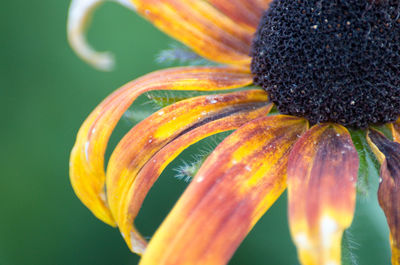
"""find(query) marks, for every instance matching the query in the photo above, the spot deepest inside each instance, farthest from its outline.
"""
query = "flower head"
(328, 67)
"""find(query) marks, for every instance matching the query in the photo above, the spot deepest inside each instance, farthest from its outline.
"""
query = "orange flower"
(331, 65)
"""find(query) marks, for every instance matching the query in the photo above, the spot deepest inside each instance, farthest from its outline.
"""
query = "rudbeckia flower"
(327, 67)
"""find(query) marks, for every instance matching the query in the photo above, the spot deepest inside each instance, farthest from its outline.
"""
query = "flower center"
(331, 60)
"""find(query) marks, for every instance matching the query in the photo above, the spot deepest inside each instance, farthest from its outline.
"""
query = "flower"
(326, 65)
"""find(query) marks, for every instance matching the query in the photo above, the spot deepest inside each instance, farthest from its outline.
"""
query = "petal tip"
(78, 16)
(138, 244)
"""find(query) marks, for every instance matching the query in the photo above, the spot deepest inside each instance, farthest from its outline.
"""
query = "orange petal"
(78, 17)
(258, 6)
(395, 127)
(235, 186)
(152, 134)
(240, 11)
(208, 31)
(322, 175)
(389, 187)
(248, 10)
(202, 27)
(154, 167)
(87, 157)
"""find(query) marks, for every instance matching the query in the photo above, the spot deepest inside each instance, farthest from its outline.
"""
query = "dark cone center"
(331, 60)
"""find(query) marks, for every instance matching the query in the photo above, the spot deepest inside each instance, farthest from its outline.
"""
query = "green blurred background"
(45, 94)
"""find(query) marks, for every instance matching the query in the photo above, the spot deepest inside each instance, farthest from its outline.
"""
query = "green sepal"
(135, 116)
(178, 54)
(162, 99)
(385, 130)
(369, 166)
(188, 170)
(348, 246)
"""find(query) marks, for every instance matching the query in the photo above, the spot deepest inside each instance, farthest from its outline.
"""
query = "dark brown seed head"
(331, 60)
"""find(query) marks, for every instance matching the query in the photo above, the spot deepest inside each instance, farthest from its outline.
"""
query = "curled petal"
(201, 27)
(389, 187)
(87, 157)
(78, 18)
(148, 137)
(235, 186)
(322, 175)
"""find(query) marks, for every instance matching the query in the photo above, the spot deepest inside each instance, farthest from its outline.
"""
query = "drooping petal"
(211, 32)
(154, 167)
(148, 137)
(235, 186)
(87, 157)
(201, 27)
(388, 153)
(322, 175)
(78, 17)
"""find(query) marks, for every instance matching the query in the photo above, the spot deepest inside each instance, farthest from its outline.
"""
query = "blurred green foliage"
(45, 94)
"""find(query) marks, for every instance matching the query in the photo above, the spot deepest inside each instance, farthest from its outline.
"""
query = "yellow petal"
(235, 186)
(148, 137)
(322, 175)
(389, 187)
(156, 164)
(87, 157)
(78, 17)
(201, 27)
